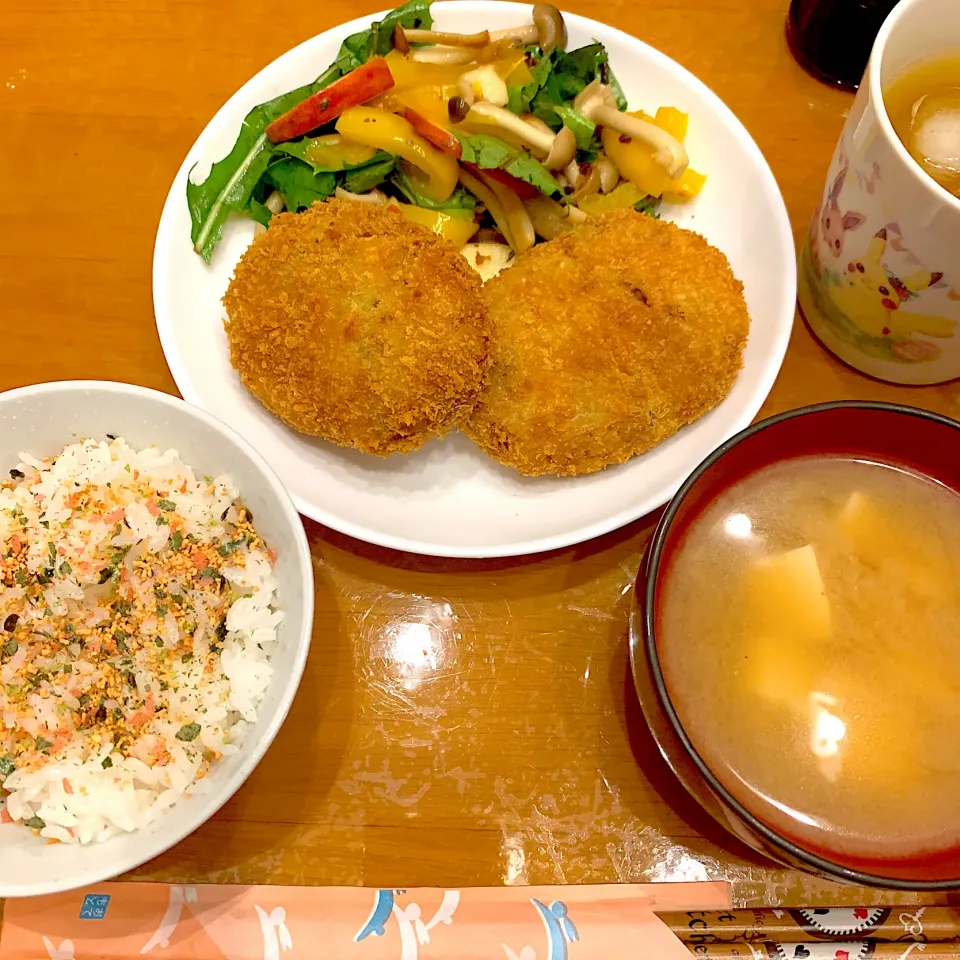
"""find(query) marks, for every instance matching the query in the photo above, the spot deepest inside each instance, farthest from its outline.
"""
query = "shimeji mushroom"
(609, 175)
(550, 218)
(403, 37)
(598, 104)
(588, 183)
(556, 149)
(488, 258)
(548, 30)
(375, 197)
(448, 48)
(485, 84)
(443, 54)
(275, 202)
(504, 206)
(551, 30)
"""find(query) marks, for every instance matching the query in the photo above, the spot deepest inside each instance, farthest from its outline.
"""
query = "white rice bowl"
(137, 809)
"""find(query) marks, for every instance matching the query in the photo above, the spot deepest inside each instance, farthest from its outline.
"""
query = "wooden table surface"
(459, 722)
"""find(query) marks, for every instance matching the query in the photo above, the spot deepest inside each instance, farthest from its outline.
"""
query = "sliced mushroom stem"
(488, 258)
(447, 39)
(487, 115)
(536, 123)
(485, 84)
(505, 207)
(375, 197)
(609, 175)
(526, 34)
(572, 173)
(551, 30)
(670, 152)
(597, 103)
(451, 55)
(499, 50)
(549, 219)
(274, 203)
(490, 200)
(575, 215)
(400, 40)
(518, 220)
(563, 151)
(490, 235)
(588, 185)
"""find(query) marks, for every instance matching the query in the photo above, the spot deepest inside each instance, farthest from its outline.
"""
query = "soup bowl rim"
(646, 638)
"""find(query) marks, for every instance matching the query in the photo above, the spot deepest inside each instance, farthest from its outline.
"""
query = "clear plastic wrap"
(475, 723)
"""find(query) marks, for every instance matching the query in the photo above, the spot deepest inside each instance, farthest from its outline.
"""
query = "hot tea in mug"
(879, 278)
(924, 107)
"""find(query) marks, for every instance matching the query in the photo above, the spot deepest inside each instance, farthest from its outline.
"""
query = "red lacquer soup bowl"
(923, 442)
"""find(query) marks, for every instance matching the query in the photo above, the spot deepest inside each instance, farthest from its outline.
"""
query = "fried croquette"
(606, 341)
(352, 324)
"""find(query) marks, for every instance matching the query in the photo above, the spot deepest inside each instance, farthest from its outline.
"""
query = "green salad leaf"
(299, 148)
(298, 184)
(490, 153)
(232, 181)
(259, 212)
(378, 40)
(650, 206)
(570, 73)
(520, 98)
(301, 181)
(583, 129)
(360, 179)
(461, 203)
(576, 69)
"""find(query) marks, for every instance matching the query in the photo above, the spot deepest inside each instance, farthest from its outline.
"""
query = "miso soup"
(809, 634)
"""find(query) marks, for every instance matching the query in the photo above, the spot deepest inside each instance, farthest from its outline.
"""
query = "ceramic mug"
(880, 267)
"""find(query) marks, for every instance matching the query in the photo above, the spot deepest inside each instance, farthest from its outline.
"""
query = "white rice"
(116, 697)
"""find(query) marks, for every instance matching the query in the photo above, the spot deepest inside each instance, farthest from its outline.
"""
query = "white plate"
(450, 499)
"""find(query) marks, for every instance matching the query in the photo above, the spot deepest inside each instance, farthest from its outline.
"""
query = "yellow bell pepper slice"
(674, 121)
(519, 76)
(622, 198)
(429, 102)
(635, 162)
(686, 187)
(408, 73)
(454, 229)
(336, 153)
(395, 135)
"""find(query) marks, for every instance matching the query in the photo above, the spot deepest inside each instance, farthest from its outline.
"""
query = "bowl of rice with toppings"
(156, 606)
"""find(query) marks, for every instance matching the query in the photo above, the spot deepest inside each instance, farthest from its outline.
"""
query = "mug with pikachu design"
(880, 266)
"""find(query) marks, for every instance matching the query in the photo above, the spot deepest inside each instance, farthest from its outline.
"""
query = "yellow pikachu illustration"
(871, 296)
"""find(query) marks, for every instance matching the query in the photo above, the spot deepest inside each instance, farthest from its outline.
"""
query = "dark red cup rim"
(774, 839)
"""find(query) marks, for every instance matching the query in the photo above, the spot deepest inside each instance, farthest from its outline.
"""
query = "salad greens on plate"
(501, 134)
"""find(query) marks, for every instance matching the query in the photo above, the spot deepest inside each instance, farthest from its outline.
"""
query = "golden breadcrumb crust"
(606, 341)
(352, 324)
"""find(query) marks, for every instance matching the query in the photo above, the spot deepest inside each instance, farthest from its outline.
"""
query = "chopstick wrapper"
(891, 924)
(122, 921)
(856, 950)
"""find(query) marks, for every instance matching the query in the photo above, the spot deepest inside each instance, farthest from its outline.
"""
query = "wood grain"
(459, 723)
